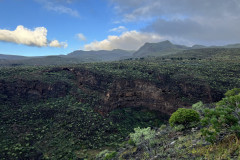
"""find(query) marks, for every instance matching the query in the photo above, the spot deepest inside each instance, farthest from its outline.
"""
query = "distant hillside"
(158, 49)
(237, 45)
(72, 58)
(198, 46)
(12, 57)
(102, 55)
(165, 48)
(208, 53)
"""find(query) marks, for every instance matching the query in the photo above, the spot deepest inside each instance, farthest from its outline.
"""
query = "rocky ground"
(170, 144)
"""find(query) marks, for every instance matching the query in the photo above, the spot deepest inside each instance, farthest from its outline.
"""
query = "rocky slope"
(165, 96)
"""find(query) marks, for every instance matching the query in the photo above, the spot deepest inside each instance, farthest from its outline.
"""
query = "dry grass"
(228, 148)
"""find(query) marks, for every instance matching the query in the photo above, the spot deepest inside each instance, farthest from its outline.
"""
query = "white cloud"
(56, 43)
(130, 40)
(25, 36)
(81, 37)
(21, 35)
(57, 6)
(118, 29)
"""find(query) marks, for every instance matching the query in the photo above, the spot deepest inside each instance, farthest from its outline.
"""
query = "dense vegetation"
(225, 118)
(62, 128)
(217, 139)
(67, 125)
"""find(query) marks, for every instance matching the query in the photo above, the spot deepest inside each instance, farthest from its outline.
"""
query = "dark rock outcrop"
(165, 95)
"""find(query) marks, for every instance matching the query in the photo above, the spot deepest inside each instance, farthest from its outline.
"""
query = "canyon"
(164, 94)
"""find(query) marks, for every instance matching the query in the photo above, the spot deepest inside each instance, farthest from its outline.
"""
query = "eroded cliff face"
(137, 93)
(164, 95)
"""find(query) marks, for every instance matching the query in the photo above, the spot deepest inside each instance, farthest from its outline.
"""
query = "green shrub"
(131, 142)
(185, 117)
(198, 106)
(232, 92)
(110, 156)
(102, 154)
(144, 134)
(224, 119)
(164, 126)
(106, 155)
(179, 127)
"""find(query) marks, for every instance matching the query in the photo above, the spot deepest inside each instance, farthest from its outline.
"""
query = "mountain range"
(147, 50)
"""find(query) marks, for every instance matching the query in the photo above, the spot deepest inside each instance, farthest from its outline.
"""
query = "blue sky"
(52, 27)
(60, 26)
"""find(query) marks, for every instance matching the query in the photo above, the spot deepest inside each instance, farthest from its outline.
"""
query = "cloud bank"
(135, 9)
(25, 36)
(130, 40)
(204, 21)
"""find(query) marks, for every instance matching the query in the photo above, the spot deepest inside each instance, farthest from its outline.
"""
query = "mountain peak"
(158, 49)
(165, 42)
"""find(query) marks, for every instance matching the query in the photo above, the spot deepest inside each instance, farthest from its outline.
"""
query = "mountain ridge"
(158, 49)
(164, 48)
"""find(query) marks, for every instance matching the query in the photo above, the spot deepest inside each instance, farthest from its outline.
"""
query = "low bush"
(232, 92)
(110, 156)
(179, 127)
(102, 154)
(163, 126)
(131, 142)
(224, 119)
(106, 155)
(141, 135)
(186, 117)
(198, 107)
